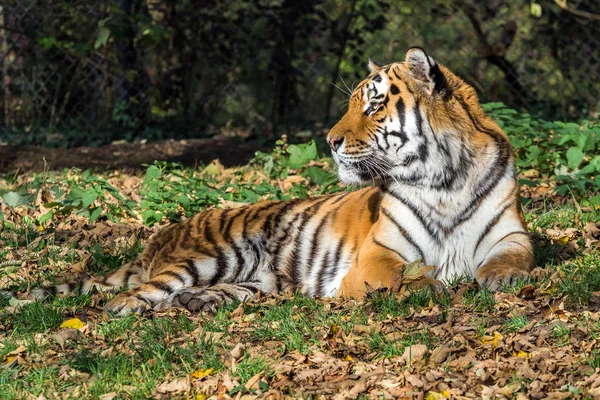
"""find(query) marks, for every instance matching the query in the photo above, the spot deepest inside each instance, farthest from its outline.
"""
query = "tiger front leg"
(508, 261)
(376, 266)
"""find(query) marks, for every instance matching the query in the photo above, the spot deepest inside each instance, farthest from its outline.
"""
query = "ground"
(230, 150)
(536, 340)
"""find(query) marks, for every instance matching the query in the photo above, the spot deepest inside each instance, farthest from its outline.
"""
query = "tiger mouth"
(365, 169)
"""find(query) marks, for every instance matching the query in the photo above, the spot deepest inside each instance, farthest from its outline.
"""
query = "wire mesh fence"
(85, 72)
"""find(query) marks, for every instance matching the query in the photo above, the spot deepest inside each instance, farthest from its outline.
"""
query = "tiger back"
(442, 189)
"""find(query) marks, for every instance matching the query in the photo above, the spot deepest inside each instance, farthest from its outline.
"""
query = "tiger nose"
(335, 143)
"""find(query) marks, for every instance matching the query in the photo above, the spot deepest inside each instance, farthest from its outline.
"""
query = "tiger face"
(404, 124)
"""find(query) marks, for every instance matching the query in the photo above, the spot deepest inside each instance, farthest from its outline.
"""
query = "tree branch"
(579, 13)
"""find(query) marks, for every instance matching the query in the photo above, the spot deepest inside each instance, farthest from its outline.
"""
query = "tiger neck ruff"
(443, 191)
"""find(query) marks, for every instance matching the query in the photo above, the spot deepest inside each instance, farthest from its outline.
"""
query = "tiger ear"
(373, 66)
(425, 70)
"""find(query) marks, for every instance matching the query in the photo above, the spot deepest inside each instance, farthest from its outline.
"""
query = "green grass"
(134, 355)
(515, 322)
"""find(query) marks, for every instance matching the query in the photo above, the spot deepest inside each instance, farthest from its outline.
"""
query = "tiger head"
(413, 122)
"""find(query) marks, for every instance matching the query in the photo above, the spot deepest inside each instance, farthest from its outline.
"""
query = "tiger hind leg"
(196, 299)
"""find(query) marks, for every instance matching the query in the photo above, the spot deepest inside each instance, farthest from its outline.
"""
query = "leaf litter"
(535, 342)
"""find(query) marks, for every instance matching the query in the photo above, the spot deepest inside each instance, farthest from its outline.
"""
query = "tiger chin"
(443, 190)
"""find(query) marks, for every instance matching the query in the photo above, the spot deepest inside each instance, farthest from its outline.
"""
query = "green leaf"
(574, 157)
(46, 217)
(153, 172)
(95, 214)
(595, 200)
(102, 38)
(13, 199)
(89, 197)
(183, 200)
(301, 154)
(319, 176)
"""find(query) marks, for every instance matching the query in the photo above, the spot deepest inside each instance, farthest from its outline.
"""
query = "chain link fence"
(90, 72)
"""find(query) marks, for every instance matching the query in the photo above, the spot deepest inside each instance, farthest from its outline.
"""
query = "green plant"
(567, 153)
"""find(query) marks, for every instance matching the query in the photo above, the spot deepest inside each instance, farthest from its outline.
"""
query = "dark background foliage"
(90, 72)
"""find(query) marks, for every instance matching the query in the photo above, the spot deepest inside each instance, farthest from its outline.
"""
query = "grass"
(516, 321)
(135, 355)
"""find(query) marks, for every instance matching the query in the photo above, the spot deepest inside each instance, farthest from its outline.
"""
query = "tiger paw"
(437, 287)
(197, 300)
(494, 278)
(123, 304)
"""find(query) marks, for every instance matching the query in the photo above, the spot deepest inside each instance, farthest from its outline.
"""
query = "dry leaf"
(201, 373)
(253, 381)
(63, 335)
(493, 340)
(74, 323)
(238, 351)
(414, 353)
(174, 386)
(415, 270)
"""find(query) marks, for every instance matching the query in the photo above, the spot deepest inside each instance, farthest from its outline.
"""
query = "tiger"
(438, 185)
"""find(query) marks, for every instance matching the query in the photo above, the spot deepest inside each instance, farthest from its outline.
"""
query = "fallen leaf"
(201, 373)
(253, 381)
(174, 386)
(74, 323)
(238, 351)
(493, 340)
(414, 353)
(415, 270)
(63, 335)
(437, 396)
(16, 303)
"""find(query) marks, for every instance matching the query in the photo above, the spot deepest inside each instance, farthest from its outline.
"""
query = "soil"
(230, 151)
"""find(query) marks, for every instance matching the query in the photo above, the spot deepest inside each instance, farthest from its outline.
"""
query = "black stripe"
(494, 173)
(294, 264)
(340, 198)
(400, 108)
(384, 103)
(221, 259)
(173, 275)
(143, 299)
(191, 241)
(315, 244)
(223, 218)
(323, 265)
(231, 241)
(514, 233)
(489, 226)
(128, 275)
(394, 89)
(403, 231)
(253, 287)
(418, 118)
(160, 286)
(192, 271)
(378, 243)
(277, 252)
(425, 222)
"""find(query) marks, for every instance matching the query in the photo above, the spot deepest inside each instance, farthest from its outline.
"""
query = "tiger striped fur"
(443, 190)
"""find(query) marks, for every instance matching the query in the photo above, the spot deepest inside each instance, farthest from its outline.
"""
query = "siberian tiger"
(443, 191)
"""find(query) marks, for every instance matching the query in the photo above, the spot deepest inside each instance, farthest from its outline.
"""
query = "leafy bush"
(566, 153)
(171, 191)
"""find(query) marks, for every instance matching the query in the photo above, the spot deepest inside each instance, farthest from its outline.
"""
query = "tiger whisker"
(341, 90)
